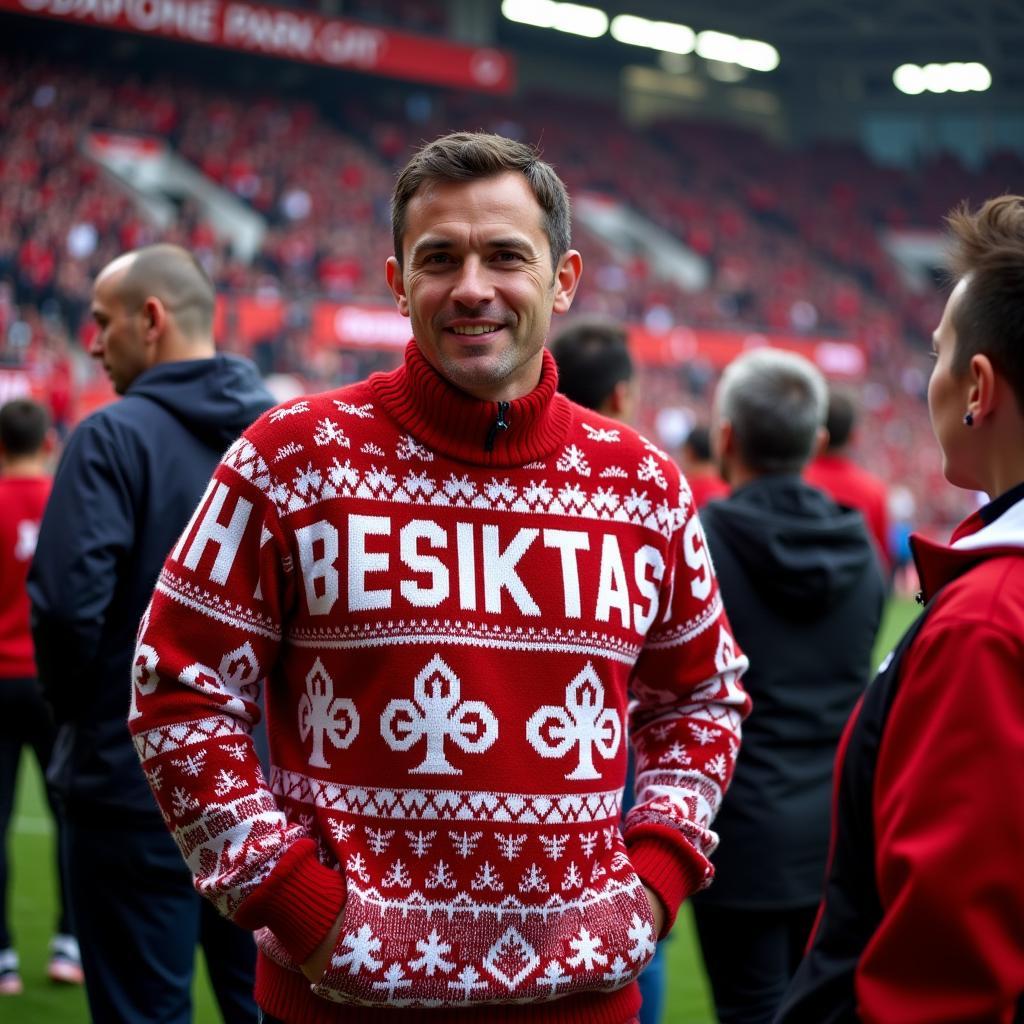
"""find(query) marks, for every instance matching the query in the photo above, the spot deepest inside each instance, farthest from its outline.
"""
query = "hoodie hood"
(996, 529)
(802, 552)
(216, 399)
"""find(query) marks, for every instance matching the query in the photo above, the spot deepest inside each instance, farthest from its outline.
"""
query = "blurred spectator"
(26, 444)
(846, 482)
(804, 593)
(700, 468)
(130, 478)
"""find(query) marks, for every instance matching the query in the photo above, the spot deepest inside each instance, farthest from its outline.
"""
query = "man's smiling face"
(478, 284)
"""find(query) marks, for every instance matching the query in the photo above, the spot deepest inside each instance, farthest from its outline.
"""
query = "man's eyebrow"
(430, 245)
(510, 242)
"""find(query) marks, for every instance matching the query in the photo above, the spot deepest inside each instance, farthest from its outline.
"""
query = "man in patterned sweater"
(449, 576)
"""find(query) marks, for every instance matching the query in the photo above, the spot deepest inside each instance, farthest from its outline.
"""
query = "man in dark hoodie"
(130, 477)
(805, 595)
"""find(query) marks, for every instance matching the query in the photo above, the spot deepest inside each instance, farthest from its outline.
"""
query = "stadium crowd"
(791, 238)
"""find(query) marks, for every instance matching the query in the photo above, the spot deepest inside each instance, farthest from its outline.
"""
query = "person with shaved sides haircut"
(127, 484)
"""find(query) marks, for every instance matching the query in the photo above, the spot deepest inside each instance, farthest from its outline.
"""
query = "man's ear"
(820, 443)
(567, 280)
(393, 273)
(154, 315)
(982, 397)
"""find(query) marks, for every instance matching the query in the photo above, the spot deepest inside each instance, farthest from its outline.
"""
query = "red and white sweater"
(448, 635)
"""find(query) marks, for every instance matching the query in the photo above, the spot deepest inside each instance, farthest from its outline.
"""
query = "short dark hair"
(988, 250)
(24, 423)
(466, 156)
(842, 414)
(775, 400)
(593, 358)
(698, 441)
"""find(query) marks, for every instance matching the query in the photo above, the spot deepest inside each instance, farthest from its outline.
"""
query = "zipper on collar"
(501, 423)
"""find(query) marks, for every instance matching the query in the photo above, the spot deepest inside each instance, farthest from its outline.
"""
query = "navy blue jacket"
(129, 480)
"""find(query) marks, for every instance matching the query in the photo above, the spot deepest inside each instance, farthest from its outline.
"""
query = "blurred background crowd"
(789, 229)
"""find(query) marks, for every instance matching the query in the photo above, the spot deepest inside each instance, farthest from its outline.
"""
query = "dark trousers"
(139, 920)
(750, 957)
(24, 722)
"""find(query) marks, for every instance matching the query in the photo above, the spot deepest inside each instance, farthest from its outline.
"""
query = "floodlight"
(656, 35)
(539, 13)
(576, 19)
(718, 46)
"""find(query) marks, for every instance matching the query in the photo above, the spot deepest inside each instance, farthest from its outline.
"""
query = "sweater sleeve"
(949, 834)
(208, 639)
(685, 725)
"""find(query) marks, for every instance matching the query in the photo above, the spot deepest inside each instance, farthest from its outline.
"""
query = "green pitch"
(32, 908)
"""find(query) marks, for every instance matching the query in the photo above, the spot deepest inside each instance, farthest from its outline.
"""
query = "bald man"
(130, 477)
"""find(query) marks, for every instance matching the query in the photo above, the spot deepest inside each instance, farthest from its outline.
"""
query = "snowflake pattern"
(641, 934)
(431, 958)
(379, 839)
(676, 754)
(419, 842)
(487, 877)
(227, 782)
(182, 802)
(554, 846)
(650, 470)
(613, 473)
(465, 843)
(329, 432)
(356, 866)
(397, 876)
(373, 449)
(703, 734)
(511, 846)
(717, 766)
(289, 410)
(573, 879)
(409, 448)
(533, 880)
(587, 949)
(192, 765)
(573, 460)
(363, 412)
(361, 946)
(441, 877)
(340, 830)
(602, 435)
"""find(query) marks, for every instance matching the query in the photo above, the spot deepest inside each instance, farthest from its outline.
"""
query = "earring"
(969, 419)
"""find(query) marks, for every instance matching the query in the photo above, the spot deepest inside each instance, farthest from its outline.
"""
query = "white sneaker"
(65, 966)
(10, 979)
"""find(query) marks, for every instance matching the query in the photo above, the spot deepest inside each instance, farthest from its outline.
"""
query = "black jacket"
(804, 593)
(129, 480)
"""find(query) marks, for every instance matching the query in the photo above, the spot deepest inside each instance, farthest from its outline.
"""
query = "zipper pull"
(499, 424)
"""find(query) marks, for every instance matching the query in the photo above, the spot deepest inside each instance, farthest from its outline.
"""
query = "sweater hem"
(286, 994)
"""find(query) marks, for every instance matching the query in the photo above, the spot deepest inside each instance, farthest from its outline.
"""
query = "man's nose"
(473, 286)
(96, 345)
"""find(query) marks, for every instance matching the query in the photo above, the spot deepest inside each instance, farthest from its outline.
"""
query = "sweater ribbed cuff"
(669, 866)
(299, 902)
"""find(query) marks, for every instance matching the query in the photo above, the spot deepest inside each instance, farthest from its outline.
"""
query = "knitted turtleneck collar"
(440, 415)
